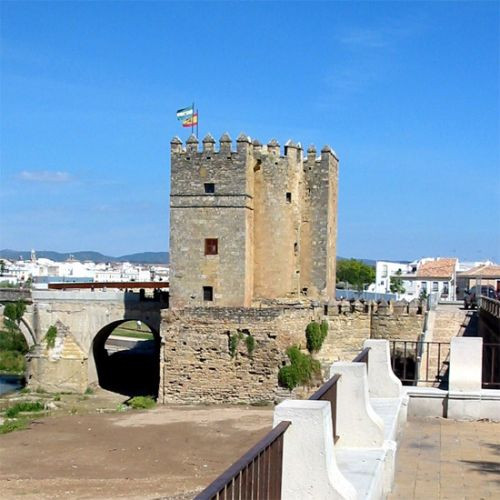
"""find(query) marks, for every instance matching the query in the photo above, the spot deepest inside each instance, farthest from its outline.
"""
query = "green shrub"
(12, 362)
(324, 329)
(141, 402)
(14, 311)
(234, 340)
(13, 339)
(315, 335)
(250, 342)
(287, 377)
(13, 425)
(50, 337)
(89, 391)
(27, 406)
(301, 370)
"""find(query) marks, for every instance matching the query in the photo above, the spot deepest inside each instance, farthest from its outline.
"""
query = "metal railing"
(328, 392)
(362, 356)
(256, 475)
(418, 361)
(491, 366)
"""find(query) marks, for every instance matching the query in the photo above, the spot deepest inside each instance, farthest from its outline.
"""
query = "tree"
(356, 273)
(14, 311)
(397, 283)
(2, 267)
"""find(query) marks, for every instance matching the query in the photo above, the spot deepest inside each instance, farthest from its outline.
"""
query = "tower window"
(209, 187)
(208, 293)
(289, 197)
(211, 246)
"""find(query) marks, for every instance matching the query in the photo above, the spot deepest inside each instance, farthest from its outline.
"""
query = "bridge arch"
(24, 327)
(27, 332)
(127, 366)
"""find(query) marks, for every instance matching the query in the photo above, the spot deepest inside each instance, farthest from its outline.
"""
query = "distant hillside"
(139, 258)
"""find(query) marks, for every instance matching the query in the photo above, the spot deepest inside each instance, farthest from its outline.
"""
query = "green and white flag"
(184, 113)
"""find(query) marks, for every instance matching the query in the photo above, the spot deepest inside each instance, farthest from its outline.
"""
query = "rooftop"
(440, 268)
(487, 271)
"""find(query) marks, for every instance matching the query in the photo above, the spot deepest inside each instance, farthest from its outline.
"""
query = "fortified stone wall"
(197, 365)
(351, 323)
(397, 320)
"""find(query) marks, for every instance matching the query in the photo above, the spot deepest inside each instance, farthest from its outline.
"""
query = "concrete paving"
(446, 459)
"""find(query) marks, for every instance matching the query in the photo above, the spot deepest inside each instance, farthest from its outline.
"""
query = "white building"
(44, 271)
(432, 275)
(383, 272)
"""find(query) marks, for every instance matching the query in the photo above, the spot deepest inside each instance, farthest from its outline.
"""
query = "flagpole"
(197, 120)
(192, 118)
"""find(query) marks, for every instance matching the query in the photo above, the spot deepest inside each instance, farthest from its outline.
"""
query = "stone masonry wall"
(197, 365)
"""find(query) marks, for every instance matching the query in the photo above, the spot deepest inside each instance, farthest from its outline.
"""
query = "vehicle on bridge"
(470, 299)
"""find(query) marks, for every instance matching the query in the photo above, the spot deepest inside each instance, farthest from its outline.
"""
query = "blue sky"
(406, 93)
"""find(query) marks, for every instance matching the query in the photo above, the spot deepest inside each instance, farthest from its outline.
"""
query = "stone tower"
(251, 224)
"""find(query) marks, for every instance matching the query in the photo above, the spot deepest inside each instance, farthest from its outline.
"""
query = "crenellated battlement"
(245, 143)
(381, 307)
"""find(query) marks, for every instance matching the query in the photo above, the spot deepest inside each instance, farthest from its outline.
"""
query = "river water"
(9, 383)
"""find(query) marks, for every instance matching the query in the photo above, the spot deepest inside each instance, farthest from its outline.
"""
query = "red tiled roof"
(441, 268)
(488, 271)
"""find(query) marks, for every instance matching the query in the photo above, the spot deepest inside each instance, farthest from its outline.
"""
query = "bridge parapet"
(15, 294)
(491, 306)
(489, 320)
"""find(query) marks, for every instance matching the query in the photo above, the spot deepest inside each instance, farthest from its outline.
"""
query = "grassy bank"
(130, 329)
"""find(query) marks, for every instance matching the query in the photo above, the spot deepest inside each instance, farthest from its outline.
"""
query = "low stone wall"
(197, 364)
(346, 334)
(351, 323)
(15, 294)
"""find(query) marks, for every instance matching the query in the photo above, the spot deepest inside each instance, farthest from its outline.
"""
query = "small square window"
(208, 293)
(209, 187)
(289, 197)
(211, 246)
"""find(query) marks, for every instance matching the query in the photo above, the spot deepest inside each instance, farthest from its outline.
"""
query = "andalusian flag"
(191, 121)
(185, 113)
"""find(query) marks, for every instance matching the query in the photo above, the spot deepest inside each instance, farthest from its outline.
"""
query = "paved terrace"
(446, 459)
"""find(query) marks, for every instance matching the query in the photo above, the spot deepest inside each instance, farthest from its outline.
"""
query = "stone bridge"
(84, 320)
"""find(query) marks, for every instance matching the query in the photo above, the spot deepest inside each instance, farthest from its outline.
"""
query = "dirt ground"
(167, 452)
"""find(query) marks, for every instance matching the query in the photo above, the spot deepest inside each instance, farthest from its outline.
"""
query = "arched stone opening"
(27, 332)
(127, 365)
